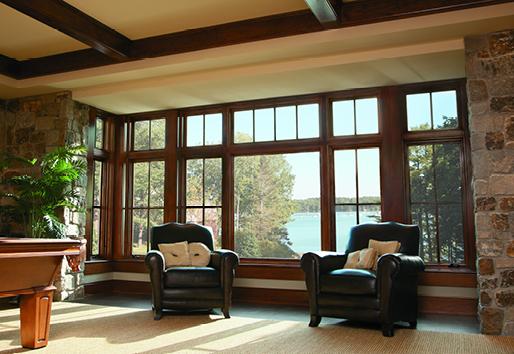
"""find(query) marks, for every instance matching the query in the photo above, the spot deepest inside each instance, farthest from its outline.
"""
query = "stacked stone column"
(490, 73)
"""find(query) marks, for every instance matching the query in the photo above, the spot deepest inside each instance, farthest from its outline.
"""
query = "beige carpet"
(81, 328)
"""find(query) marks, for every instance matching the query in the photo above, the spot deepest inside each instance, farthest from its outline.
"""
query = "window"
(147, 208)
(353, 117)
(436, 201)
(203, 195)
(277, 123)
(436, 171)
(357, 190)
(149, 134)
(204, 129)
(98, 157)
(432, 110)
(277, 205)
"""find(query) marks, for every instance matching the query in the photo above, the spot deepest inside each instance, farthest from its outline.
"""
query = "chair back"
(176, 232)
(407, 235)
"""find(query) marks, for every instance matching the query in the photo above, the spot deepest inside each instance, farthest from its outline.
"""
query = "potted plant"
(36, 198)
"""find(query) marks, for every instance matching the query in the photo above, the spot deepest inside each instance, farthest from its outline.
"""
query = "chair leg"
(225, 312)
(157, 314)
(387, 329)
(413, 324)
(315, 320)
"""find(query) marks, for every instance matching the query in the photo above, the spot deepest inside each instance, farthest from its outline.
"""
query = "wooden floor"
(437, 323)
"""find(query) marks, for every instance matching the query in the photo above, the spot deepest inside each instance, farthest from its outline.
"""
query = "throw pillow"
(363, 259)
(200, 254)
(175, 254)
(383, 247)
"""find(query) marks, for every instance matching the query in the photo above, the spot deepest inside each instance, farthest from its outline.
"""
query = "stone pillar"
(32, 126)
(490, 73)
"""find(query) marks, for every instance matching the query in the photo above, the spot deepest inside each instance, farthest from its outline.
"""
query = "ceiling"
(415, 49)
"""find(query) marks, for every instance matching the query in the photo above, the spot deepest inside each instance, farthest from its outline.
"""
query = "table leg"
(35, 312)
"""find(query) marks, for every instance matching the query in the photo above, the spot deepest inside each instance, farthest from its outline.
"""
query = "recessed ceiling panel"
(22, 37)
(143, 18)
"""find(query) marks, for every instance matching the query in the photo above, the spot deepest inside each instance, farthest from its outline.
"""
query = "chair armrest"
(395, 264)
(156, 265)
(316, 263)
(225, 261)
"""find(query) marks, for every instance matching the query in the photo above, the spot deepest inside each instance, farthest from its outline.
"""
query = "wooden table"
(28, 268)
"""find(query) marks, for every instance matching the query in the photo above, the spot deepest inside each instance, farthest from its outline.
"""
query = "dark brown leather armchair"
(385, 296)
(188, 288)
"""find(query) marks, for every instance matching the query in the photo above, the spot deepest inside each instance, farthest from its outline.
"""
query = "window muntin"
(203, 194)
(149, 134)
(432, 110)
(277, 205)
(436, 201)
(355, 117)
(277, 123)
(204, 129)
(147, 207)
(357, 190)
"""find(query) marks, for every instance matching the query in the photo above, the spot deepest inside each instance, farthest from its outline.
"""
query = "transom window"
(355, 117)
(432, 110)
(149, 134)
(277, 123)
(204, 129)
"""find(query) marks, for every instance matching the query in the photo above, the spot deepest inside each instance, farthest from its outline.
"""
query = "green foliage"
(263, 206)
(435, 188)
(37, 197)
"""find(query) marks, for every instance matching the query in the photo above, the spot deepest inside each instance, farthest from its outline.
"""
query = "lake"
(305, 229)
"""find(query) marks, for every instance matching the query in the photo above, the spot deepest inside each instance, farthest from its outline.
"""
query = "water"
(305, 229)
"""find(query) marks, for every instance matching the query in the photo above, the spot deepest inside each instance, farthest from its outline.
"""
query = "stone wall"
(490, 73)
(32, 126)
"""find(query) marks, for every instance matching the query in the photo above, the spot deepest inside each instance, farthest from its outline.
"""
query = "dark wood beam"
(73, 22)
(9, 67)
(282, 25)
(326, 13)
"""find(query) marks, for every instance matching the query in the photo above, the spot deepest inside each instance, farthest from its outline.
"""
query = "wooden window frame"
(392, 139)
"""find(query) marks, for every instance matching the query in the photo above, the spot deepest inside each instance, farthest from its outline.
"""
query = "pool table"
(28, 268)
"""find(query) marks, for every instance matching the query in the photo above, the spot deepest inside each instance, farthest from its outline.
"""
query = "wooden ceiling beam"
(74, 23)
(282, 25)
(9, 67)
(326, 12)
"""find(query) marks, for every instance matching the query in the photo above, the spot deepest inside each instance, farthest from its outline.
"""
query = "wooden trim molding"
(285, 297)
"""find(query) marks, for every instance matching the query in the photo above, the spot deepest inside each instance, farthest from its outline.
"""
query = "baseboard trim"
(285, 297)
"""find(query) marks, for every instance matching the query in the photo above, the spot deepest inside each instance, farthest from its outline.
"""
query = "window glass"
(286, 122)
(204, 195)
(277, 205)
(140, 184)
(432, 110)
(353, 117)
(158, 134)
(264, 124)
(195, 130)
(366, 115)
(142, 135)
(357, 188)
(213, 128)
(343, 118)
(436, 201)
(243, 126)
(308, 121)
(444, 107)
(99, 133)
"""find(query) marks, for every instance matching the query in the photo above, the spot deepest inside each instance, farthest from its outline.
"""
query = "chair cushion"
(191, 277)
(363, 259)
(349, 282)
